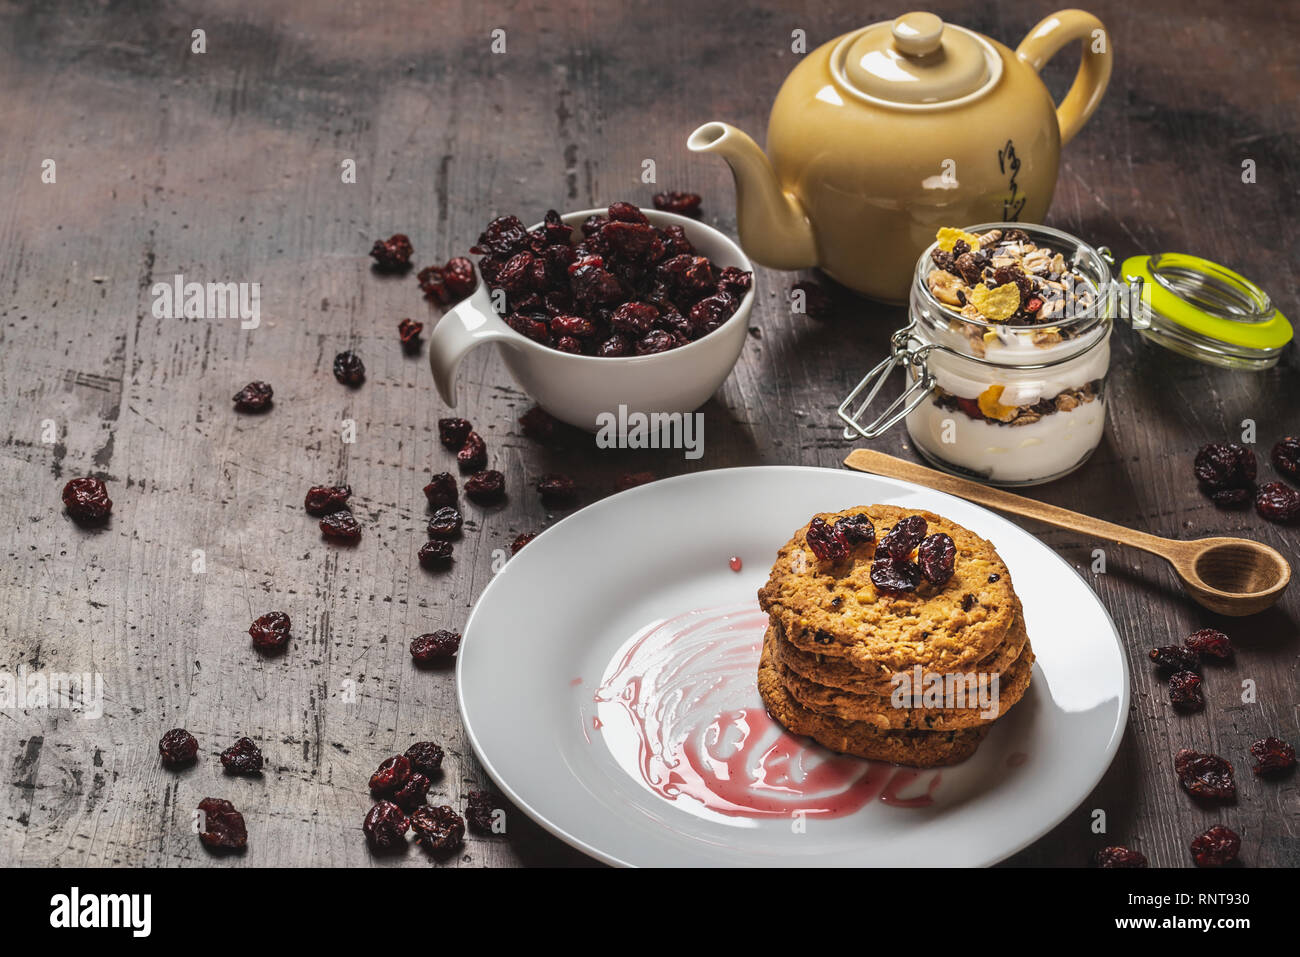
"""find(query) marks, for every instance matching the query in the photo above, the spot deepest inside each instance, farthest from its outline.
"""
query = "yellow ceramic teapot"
(883, 135)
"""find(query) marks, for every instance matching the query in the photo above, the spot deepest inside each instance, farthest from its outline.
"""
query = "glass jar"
(1003, 404)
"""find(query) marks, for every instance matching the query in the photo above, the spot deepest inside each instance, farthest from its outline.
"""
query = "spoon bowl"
(1232, 576)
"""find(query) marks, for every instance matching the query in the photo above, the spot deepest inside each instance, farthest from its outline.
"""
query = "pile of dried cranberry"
(892, 568)
(627, 288)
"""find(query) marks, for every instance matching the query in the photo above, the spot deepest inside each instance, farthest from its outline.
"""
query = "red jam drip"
(680, 708)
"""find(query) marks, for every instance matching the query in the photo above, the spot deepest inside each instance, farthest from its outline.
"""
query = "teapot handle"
(1046, 39)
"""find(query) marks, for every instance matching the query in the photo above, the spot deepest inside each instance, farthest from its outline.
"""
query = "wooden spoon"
(1231, 576)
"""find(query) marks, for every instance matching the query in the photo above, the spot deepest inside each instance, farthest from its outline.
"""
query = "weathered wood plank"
(226, 166)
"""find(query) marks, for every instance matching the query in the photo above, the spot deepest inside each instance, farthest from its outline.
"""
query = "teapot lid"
(916, 61)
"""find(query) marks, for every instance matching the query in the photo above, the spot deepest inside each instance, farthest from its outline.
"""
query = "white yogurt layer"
(1053, 445)
(967, 380)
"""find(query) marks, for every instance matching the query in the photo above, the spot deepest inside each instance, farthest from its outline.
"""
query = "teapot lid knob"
(916, 61)
(917, 33)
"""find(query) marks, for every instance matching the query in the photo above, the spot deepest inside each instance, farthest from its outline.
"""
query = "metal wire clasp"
(902, 353)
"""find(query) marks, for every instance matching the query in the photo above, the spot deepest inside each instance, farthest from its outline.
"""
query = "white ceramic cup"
(577, 389)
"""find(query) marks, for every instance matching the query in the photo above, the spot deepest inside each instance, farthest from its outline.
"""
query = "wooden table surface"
(225, 166)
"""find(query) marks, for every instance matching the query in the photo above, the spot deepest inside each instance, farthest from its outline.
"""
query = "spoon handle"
(878, 463)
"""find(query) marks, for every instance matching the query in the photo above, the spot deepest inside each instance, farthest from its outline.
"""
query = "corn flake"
(998, 303)
(991, 407)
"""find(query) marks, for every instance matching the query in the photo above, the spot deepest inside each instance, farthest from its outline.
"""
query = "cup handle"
(1046, 39)
(470, 323)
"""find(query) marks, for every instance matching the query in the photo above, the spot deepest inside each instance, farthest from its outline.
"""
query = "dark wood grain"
(226, 166)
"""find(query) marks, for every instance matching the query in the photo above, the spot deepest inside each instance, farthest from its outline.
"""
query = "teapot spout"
(774, 230)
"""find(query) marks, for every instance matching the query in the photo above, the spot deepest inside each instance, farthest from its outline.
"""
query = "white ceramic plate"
(554, 623)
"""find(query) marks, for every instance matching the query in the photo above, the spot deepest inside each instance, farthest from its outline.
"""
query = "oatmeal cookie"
(835, 610)
(880, 712)
(917, 749)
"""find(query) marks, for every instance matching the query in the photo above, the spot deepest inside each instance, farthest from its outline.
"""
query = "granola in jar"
(1017, 320)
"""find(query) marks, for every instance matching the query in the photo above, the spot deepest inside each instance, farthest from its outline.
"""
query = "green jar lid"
(1201, 309)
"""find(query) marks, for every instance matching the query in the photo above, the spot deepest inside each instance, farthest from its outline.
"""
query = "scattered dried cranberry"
(557, 489)
(827, 542)
(254, 397)
(1205, 776)
(816, 303)
(324, 499)
(520, 541)
(436, 554)
(683, 204)
(453, 433)
(1114, 857)
(1216, 847)
(392, 254)
(1174, 658)
(349, 369)
(1231, 497)
(892, 575)
(903, 537)
(445, 523)
(856, 529)
(408, 331)
(438, 829)
(473, 454)
(341, 526)
(441, 489)
(440, 646)
(86, 500)
(937, 556)
(426, 757)
(221, 826)
(242, 757)
(1278, 503)
(448, 283)
(385, 826)
(632, 479)
(480, 809)
(487, 487)
(413, 793)
(1286, 457)
(1272, 756)
(271, 631)
(1224, 465)
(1209, 643)
(1185, 691)
(178, 747)
(391, 774)
(538, 424)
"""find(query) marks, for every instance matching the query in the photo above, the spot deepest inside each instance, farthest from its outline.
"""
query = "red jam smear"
(679, 707)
